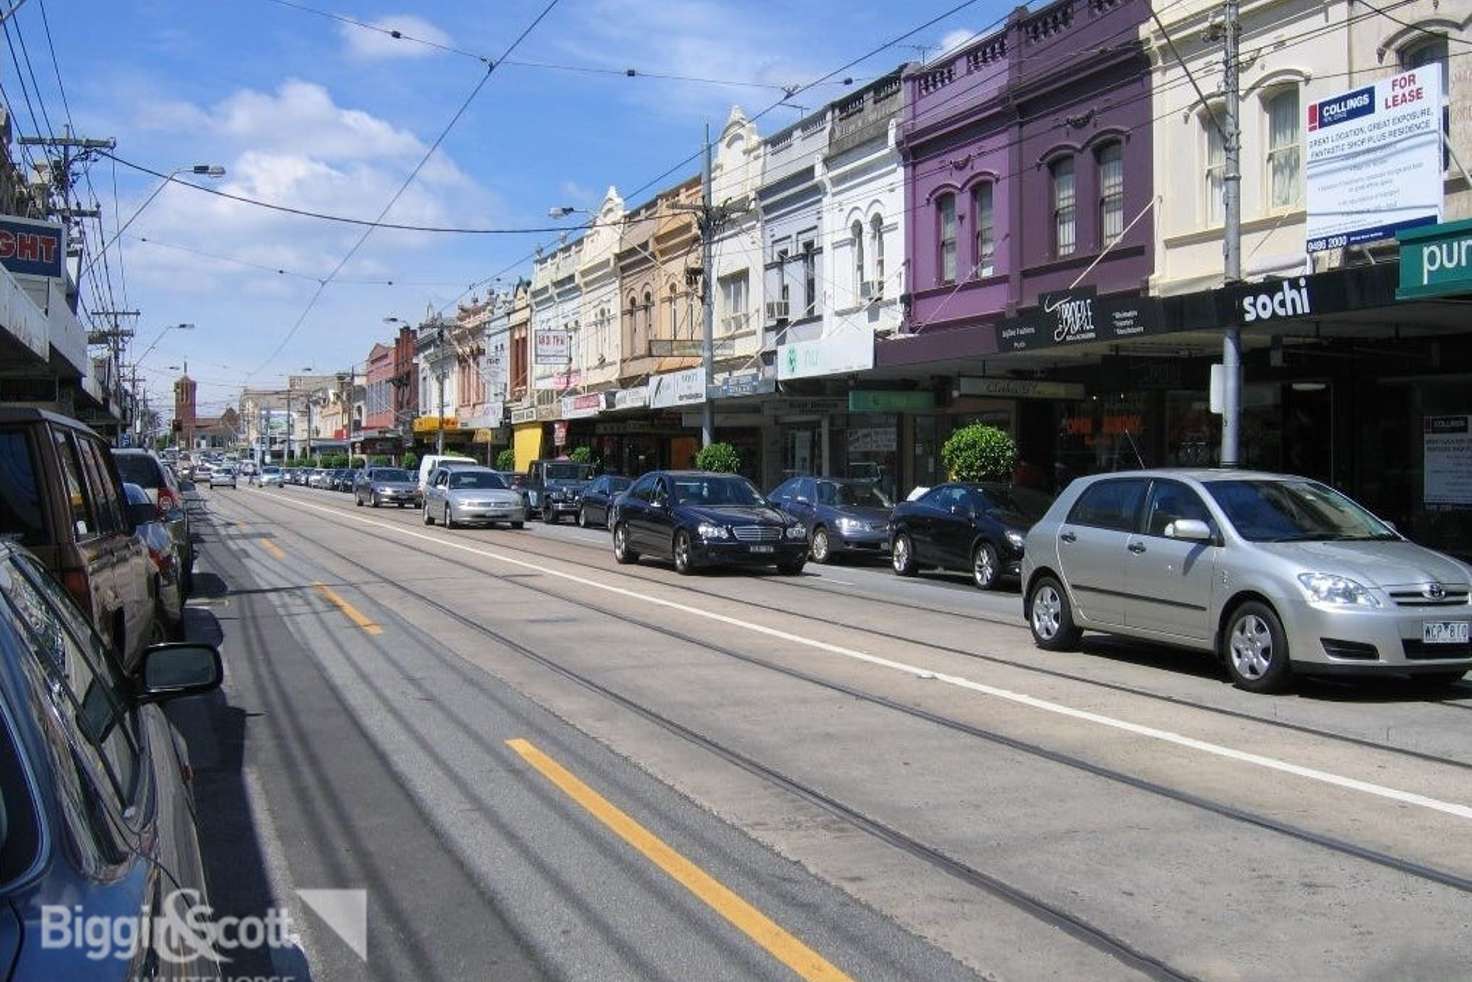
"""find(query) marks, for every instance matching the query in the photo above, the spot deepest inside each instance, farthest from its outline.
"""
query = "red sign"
(559, 433)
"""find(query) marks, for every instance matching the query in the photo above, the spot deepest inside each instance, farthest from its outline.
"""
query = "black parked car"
(97, 819)
(698, 518)
(975, 527)
(595, 500)
(842, 515)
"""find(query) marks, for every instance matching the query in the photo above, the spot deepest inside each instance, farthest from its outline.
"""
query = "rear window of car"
(137, 469)
(1113, 504)
(20, 489)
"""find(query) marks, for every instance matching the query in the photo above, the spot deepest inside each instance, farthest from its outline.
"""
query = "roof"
(21, 414)
(1204, 474)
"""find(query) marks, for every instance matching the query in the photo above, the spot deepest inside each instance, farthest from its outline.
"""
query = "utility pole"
(1231, 232)
(708, 298)
(309, 424)
(439, 374)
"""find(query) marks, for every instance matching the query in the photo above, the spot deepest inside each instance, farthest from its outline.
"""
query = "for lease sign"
(1372, 162)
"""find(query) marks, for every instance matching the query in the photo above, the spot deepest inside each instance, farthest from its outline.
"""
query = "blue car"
(96, 822)
(843, 516)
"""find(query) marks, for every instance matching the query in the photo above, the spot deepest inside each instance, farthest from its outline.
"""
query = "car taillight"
(167, 502)
(75, 581)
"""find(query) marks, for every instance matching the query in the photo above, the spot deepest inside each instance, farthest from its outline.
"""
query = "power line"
(486, 77)
(282, 271)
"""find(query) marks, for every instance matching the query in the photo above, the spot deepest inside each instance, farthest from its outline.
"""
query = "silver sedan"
(471, 495)
(1273, 574)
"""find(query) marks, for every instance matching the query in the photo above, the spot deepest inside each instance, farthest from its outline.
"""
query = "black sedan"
(95, 817)
(843, 516)
(595, 500)
(978, 528)
(698, 518)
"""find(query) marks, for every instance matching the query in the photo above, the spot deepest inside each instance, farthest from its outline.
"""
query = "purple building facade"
(1027, 153)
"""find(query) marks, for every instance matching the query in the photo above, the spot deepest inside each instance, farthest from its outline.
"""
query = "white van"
(431, 461)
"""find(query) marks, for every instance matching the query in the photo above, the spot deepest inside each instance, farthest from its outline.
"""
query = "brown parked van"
(62, 497)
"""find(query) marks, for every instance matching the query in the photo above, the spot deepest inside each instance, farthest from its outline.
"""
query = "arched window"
(1111, 191)
(1065, 208)
(876, 231)
(648, 314)
(945, 213)
(986, 229)
(857, 233)
(1283, 168)
(1216, 168)
(1432, 51)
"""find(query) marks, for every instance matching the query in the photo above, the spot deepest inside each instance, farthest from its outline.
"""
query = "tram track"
(1332, 843)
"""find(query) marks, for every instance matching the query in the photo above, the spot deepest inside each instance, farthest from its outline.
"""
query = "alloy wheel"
(620, 542)
(582, 518)
(901, 556)
(820, 546)
(1047, 612)
(682, 553)
(984, 566)
(1251, 646)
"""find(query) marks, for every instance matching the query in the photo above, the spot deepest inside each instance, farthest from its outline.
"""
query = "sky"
(313, 113)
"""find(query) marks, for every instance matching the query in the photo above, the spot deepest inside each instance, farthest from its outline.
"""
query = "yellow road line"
(353, 613)
(779, 944)
(273, 549)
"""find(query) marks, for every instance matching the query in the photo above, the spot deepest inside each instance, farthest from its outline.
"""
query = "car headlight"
(1338, 591)
(797, 532)
(708, 530)
(851, 525)
(1016, 539)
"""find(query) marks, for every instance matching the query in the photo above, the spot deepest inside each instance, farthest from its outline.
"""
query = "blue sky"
(309, 112)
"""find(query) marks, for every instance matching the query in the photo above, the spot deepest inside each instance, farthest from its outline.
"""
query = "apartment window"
(1283, 172)
(1216, 167)
(1111, 192)
(986, 231)
(946, 208)
(1433, 52)
(734, 290)
(857, 232)
(648, 314)
(876, 229)
(782, 257)
(1065, 209)
(809, 279)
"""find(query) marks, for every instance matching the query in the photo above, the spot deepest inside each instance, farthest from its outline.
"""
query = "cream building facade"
(599, 349)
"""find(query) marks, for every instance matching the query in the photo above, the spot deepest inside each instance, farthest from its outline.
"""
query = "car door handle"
(1136, 547)
(1067, 536)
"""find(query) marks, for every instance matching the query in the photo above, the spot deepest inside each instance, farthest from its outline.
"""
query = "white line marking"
(829, 579)
(1166, 736)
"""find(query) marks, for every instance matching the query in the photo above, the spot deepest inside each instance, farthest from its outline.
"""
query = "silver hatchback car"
(1274, 574)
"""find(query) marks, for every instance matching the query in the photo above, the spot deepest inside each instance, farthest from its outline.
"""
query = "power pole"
(309, 424)
(708, 298)
(1231, 232)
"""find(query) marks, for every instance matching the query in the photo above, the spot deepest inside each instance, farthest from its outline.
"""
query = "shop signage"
(32, 248)
(553, 347)
(549, 412)
(741, 386)
(583, 406)
(677, 388)
(559, 433)
(1435, 261)
(526, 414)
(803, 407)
(890, 401)
(1069, 317)
(726, 420)
(1331, 292)
(1447, 461)
(1289, 298)
(1019, 388)
(850, 350)
(635, 398)
(872, 439)
(642, 426)
(490, 435)
(1372, 162)
(493, 416)
(434, 424)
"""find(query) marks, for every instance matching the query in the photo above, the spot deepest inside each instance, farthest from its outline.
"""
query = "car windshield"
(1295, 511)
(567, 472)
(852, 495)
(270, 470)
(616, 484)
(1018, 505)
(390, 474)
(716, 491)
(137, 469)
(477, 480)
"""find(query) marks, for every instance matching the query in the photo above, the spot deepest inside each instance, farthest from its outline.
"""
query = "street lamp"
(203, 170)
(166, 330)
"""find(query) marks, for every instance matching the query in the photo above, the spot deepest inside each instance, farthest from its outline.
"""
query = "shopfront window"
(870, 447)
(1102, 435)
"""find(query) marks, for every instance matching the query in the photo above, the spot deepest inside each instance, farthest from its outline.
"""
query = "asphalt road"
(539, 763)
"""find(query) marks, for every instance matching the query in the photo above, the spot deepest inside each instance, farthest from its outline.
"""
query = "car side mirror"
(142, 513)
(1189, 530)
(170, 671)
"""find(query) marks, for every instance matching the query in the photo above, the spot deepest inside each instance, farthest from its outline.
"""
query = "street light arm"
(209, 170)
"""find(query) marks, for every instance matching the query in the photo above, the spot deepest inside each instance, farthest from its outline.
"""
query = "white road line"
(1166, 736)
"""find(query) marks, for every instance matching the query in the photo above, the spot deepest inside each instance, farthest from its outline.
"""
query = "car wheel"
(376, 503)
(984, 567)
(1051, 617)
(549, 517)
(902, 556)
(820, 545)
(428, 518)
(683, 564)
(621, 551)
(517, 525)
(357, 499)
(791, 568)
(449, 521)
(582, 518)
(1256, 649)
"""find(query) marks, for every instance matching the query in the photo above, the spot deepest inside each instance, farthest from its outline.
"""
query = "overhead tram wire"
(486, 77)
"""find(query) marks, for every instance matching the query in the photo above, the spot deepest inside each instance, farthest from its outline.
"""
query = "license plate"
(1445, 632)
(763, 548)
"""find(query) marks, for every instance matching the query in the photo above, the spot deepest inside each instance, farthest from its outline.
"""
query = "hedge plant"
(980, 453)
(719, 457)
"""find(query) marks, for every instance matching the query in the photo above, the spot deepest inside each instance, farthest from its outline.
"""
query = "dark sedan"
(95, 815)
(697, 518)
(978, 528)
(843, 516)
(596, 500)
(378, 486)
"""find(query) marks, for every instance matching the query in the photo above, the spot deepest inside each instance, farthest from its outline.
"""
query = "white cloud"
(364, 43)
(955, 39)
